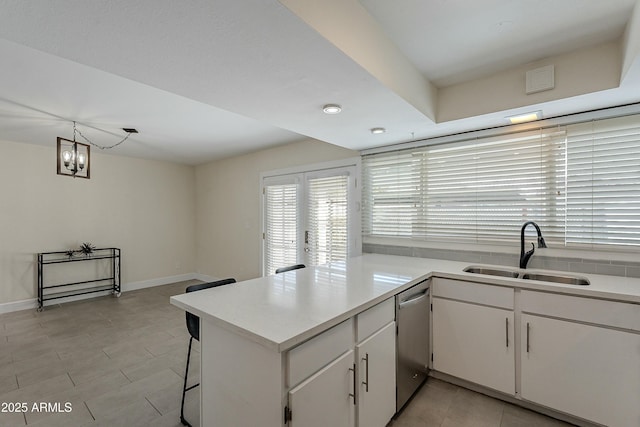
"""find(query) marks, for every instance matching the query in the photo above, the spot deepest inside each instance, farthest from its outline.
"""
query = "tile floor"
(120, 362)
(442, 404)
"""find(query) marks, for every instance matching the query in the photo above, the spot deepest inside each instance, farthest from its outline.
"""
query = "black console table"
(62, 290)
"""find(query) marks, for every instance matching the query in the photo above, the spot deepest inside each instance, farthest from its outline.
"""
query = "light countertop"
(283, 310)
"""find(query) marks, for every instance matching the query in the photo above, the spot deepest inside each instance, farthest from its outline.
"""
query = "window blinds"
(480, 190)
(603, 182)
(580, 183)
(391, 193)
(281, 239)
(327, 212)
(486, 189)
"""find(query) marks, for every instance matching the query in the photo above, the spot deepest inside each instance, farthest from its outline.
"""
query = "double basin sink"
(525, 275)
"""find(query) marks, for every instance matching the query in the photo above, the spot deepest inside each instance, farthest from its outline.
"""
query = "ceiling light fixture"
(525, 117)
(377, 131)
(331, 109)
(73, 156)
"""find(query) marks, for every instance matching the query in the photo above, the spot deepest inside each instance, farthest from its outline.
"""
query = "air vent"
(130, 130)
(540, 79)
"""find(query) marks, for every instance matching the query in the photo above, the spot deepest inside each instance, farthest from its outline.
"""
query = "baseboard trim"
(150, 283)
(26, 304)
(29, 304)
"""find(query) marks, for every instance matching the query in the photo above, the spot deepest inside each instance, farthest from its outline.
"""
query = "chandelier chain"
(102, 147)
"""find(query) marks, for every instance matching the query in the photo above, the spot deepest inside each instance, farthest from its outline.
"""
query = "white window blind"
(328, 220)
(485, 190)
(580, 183)
(281, 225)
(391, 193)
(480, 190)
(603, 182)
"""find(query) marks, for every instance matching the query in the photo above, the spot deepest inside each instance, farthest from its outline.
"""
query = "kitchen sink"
(515, 274)
(567, 280)
(491, 271)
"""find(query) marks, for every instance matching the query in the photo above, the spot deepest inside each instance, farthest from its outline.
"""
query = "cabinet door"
(475, 343)
(377, 378)
(326, 398)
(588, 371)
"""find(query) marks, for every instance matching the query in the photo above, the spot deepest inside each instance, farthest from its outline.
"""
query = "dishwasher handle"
(414, 299)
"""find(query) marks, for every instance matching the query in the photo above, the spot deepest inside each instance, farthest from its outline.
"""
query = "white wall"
(229, 234)
(144, 207)
(576, 73)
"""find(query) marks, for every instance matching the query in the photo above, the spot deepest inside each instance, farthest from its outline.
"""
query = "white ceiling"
(207, 79)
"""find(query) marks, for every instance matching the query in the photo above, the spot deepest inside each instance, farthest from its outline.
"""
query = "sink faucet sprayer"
(524, 256)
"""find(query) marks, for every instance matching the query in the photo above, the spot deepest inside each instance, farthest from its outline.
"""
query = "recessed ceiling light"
(525, 117)
(376, 131)
(332, 109)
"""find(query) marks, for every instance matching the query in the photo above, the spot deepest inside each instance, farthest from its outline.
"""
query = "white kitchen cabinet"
(586, 370)
(327, 398)
(346, 375)
(377, 378)
(471, 341)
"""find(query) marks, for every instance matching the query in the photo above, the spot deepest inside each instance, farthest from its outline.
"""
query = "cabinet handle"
(355, 384)
(527, 337)
(507, 331)
(366, 372)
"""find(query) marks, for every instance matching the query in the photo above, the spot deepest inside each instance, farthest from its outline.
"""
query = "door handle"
(354, 384)
(507, 331)
(414, 299)
(527, 337)
(366, 372)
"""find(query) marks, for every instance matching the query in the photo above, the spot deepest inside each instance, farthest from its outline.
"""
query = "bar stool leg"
(184, 388)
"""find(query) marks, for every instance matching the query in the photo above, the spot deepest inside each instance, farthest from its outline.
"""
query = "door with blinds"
(307, 218)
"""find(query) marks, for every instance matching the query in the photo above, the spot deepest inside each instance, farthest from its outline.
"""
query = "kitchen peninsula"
(264, 339)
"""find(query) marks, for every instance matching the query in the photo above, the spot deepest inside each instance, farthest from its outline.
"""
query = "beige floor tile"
(127, 356)
(111, 401)
(145, 368)
(136, 412)
(35, 392)
(515, 416)
(99, 386)
(172, 419)
(36, 374)
(76, 414)
(88, 372)
(473, 410)
(167, 399)
(12, 419)
(163, 347)
(8, 383)
(431, 403)
(21, 326)
(24, 364)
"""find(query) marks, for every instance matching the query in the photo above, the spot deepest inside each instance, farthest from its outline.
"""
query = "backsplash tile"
(575, 265)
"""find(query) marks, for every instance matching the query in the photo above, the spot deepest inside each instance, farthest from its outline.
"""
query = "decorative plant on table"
(70, 254)
(86, 249)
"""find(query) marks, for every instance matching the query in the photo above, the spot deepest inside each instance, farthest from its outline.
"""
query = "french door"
(309, 218)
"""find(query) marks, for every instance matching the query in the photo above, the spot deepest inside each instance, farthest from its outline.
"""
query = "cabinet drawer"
(495, 296)
(375, 318)
(309, 357)
(601, 312)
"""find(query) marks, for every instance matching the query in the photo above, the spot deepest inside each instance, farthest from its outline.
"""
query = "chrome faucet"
(524, 256)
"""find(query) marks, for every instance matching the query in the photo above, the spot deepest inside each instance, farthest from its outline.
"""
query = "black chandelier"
(73, 156)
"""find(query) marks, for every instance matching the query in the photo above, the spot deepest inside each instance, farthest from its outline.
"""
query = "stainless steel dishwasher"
(412, 341)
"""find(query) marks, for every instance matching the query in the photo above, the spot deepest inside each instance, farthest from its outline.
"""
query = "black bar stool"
(193, 326)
